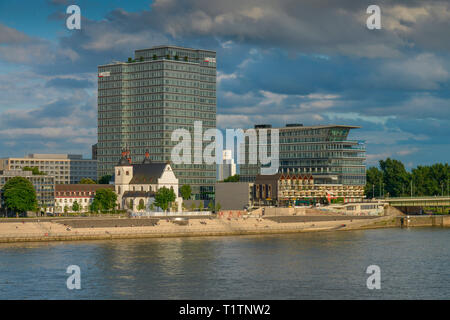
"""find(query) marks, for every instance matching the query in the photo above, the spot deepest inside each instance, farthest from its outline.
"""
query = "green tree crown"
(164, 197)
(19, 195)
(105, 179)
(105, 199)
(87, 181)
(75, 206)
(186, 191)
(234, 178)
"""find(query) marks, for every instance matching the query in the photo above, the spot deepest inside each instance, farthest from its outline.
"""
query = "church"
(137, 184)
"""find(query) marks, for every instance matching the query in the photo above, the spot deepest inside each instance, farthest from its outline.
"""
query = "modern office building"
(94, 151)
(227, 167)
(43, 184)
(66, 168)
(142, 101)
(322, 151)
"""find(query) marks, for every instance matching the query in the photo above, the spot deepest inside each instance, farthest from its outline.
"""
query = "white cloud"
(223, 76)
(272, 98)
(424, 71)
(381, 120)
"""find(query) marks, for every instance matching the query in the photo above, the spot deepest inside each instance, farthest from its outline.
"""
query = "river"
(414, 264)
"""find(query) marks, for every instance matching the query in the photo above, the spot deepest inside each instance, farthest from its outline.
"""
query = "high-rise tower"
(141, 102)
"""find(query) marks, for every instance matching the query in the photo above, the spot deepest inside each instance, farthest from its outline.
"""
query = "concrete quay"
(131, 228)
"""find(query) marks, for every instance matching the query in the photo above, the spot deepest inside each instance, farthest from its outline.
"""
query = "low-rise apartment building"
(67, 194)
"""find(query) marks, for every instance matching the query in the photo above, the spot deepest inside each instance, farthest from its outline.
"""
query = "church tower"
(123, 175)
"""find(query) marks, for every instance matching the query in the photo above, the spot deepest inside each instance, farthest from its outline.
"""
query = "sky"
(285, 61)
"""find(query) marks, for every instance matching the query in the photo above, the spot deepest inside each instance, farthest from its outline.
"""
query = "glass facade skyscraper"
(322, 151)
(141, 102)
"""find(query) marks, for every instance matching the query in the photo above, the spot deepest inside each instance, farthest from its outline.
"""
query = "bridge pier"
(411, 210)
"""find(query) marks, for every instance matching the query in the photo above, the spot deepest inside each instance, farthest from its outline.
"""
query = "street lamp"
(380, 188)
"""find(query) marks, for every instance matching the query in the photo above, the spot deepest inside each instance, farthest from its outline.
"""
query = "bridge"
(419, 201)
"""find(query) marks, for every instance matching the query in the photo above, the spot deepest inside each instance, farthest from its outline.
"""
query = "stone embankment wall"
(423, 221)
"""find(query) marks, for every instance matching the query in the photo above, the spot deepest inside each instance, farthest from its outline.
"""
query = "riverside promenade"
(61, 229)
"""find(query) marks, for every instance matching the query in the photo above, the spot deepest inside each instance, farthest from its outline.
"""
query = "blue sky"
(310, 61)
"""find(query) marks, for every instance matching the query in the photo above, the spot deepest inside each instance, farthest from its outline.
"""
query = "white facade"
(67, 194)
(65, 203)
(139, 183)
(227, 167)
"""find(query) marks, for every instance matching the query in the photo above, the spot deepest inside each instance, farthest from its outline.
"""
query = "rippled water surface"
(415, 264)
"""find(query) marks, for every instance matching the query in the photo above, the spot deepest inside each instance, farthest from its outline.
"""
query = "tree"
(374, 179)
(34, 170)
(200, 206)
(66, 209)
(86, 181)
(395, 177)
(211, 206)
(422, 181)
(76, 207)
(141, 205)
(105, 199)
(105, 179)
(94, 206)
(186, 191)
(431, 180)
(163, 197)
(19, 195)
(193, 206)
(234, 178)
(218, 207)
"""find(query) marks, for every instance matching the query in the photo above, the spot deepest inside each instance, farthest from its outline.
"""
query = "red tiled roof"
(82, 187)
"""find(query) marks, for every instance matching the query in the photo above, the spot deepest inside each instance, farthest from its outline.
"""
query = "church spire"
(123, 159)
(147, 158)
